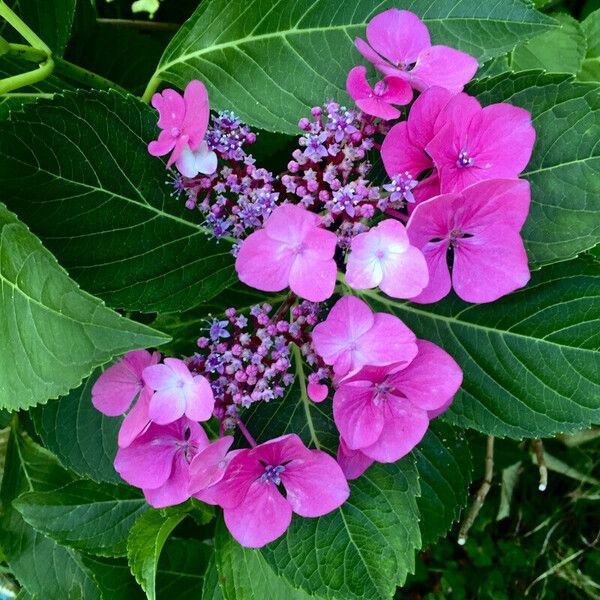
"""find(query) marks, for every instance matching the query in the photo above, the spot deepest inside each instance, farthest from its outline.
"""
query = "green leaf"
(43, 567)
(52, 21)
(77, 170)
(557, 51)
(82, 438)
(211, 588)
(590, 69)
(145, 543)
(244, 574)
(114, 578)
(52, 334)
(85, 515)
(271, 61)
(445, 472)
(530, 360)
(565, 166)
(182, 568)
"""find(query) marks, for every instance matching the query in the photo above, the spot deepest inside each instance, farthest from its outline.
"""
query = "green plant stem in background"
(27, 52)
(30, 77)
(88, 78)
(150, 89)
(29, 35)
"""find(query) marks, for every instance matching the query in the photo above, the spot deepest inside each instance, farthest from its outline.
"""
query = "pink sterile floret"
(399, 45)
(383, 411)
(377, 101)
(255, 510)
(481, 225)
(292, 250)
(383, 257)
(177, 392)
(158, 461)
(353, 336)
(183, 120)
(474, 143)
(117, 387)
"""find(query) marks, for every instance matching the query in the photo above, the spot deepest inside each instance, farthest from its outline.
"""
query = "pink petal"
(439, 275)
(315, 486)
(388, 341)
(357, 418)
(398, 90)
(433, 414)
(290, 223)
(175, 490)
(431, 379)
(377, 107)
(137, 419)
(115, 389)
(398, 35)
(401, 155)
(200, 400)
(489, 265)
(167, 405)
(281, 449)
(370, 54)
(349, 318)
(317, 392)
(398, 438)
(262, 517)
(357, 85)
(353, 462)
(171, 108)
(208, 466)
(424, 113)
(406, 274)
(197, 112)
(179, 369)
(311, 279)
(181, 143)
(264, 263)
(159, 377)
(444, 67)
(425, 190)
(165, 143)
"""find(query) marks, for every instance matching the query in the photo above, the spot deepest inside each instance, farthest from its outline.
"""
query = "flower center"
(381, 392)
(272, 474)
(380, 88)
(175, 131)
(464, 160)
(180, 383)
(380, 254)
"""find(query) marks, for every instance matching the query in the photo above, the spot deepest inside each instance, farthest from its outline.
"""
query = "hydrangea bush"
(325, 241)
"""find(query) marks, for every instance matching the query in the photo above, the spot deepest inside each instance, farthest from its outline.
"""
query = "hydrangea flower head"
(353, 336)
(481, 225)
(117, 387)
(383, 257)
(158, 461)
(254, 508)
(183, 120)
(475, 143)
(399, 45)
(383, 411)
(291, 250)
(177, 392)
(377, 101)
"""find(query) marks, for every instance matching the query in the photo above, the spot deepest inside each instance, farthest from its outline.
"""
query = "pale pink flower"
(475, 143)
(377, 101)
(291, 250)
(117, 387)
(353, 336)
(158, 461)
(317, 392)
(190, 163)
(177, 392)
(255, 510)
(183, 120)
(383, 411)
(383, 257)
(403, 149)
(481, 225)
(399, 45)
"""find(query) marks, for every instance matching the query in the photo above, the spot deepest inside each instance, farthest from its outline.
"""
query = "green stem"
(27, 52)
(80, 75)
(305, 399)
(29, 35)
(30, 77)
(151, 88)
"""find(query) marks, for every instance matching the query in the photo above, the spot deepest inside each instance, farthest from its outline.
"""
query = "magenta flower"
(117, 387)
(353, 336)
(177, 392)
(383, 411)
(208, 466)
(255, 510)
(378, 101)
(384, 258)
(183, 120)
(399, 45)
(481, 225)
(137, 419)
(158, 461)
(403, 149)
(475, 143)
(352, 462)
(291, 250)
